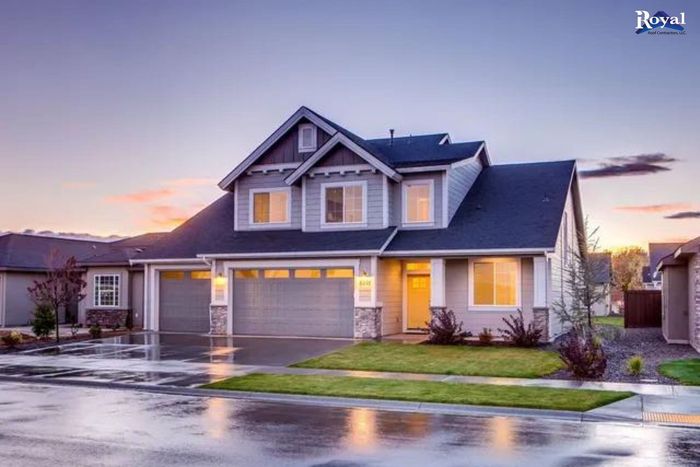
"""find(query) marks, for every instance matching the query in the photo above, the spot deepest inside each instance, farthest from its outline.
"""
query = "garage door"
(184, 301)
(293, 302)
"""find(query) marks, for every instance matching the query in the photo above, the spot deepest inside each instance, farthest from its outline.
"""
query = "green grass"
(437, 359)
(616, 321)
(685, 371)
(423, 391)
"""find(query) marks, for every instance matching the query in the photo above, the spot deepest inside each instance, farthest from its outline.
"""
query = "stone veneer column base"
(541, 320)
(107, 318)
(218, 319)
(435, 310)
(368, 323)
(694, 274)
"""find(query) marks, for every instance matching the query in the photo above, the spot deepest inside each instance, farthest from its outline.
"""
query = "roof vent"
(545, 199)
(391, 136)
(409, 138)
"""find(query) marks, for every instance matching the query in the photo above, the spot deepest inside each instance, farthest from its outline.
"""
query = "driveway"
(163, 358)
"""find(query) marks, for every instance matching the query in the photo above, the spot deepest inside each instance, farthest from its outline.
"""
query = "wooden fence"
(643, 309)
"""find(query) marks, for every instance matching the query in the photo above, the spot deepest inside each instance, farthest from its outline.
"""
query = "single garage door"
(293, 302)
(184, 301)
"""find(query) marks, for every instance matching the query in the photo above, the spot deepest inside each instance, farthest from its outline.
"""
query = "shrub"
(635, 365)
(444, 329)
(518, 334)
(583, 355)
(95, 331)
(115, 326)
(485, 336)
(12, 339)
(44, 321)
(74, 328)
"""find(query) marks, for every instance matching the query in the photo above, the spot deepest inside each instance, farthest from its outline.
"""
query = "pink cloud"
(169, 217)
(144, 196)
(654, 208)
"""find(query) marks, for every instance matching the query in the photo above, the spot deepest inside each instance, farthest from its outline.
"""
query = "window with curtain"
(418, 202)
(271, 207)
(495, 283)
(344, 204)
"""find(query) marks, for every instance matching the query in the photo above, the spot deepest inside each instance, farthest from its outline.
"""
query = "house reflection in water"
(501, 434)
(362, 428)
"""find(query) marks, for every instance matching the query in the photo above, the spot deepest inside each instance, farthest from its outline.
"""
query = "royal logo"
(660, 21)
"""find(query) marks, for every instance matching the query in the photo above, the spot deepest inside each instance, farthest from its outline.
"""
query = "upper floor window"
(307, 137)
(343, 203)
(495, 282)
(418, 201)
(270, 206)
(107, 290)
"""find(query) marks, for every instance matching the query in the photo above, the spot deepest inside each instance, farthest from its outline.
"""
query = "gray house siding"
(674, 303)
(136, 291)
(374, 214)
(457, 297)
(459, 181)
(390, 295)
(396, 213)
(19, 307)
(340, 155)
(274, 179)
(286, 149)
(694, 301)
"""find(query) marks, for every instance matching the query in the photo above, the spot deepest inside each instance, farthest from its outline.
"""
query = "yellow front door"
(418, 298)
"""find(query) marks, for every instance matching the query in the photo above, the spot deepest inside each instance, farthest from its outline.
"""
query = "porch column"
(437, 285)
(368, 311)
(218, 308)
(540, 309)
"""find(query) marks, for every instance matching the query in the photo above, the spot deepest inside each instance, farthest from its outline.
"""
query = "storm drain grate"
(669, 417)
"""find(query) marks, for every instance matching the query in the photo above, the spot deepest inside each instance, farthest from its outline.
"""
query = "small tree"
(581, 288)
(62, 286)
(627, 264)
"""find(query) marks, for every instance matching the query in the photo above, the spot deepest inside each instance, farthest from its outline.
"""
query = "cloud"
(188, 182)
(169, 217)
(144, 196)
(640, 164)
(685, 215)
(78, 185)
(653, 208)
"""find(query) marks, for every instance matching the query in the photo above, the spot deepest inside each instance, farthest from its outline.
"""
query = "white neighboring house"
(601, 264)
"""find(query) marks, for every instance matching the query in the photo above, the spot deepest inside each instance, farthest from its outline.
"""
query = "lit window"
(271, 207)
(418, 267)
(246, 274)
(495, 283)
(307, 137)
(339, 273)
(418, 199)
(344, 204)
(172, 275)
(307, 273)
(276, 274)
(107, 290)
(201, 275)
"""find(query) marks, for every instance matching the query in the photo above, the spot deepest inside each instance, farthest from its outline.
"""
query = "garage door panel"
(293, 307)
(184, 302)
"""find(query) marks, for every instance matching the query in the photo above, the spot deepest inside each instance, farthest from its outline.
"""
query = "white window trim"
(251, 206)
(314, 137)
(343, 225)
(96, 296)
(518, 285)
(404, 205)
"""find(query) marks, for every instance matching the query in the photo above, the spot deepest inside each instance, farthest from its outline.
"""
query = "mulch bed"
(31, 342)
(621, 344)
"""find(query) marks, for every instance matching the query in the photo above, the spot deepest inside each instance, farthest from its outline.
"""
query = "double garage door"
(267, 302)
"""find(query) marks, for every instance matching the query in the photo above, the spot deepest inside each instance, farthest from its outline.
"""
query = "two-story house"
(322, 233)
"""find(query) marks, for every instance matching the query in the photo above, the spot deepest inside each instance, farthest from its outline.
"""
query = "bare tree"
(582, 290)
(62, 286)
(627, 264)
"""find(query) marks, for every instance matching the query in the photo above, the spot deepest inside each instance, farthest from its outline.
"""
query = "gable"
(340, 155)
(286, 149)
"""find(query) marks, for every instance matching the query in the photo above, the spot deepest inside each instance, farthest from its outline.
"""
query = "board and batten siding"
(457, 297)
(389, 293)
(256, 180)
(396, 192)
(459, 181)
(375, 196)
(286, 149)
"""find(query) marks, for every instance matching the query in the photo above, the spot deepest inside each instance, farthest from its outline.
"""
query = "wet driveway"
(59, 425)
(163, 358)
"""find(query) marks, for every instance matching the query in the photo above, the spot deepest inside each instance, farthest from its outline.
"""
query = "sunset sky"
(120, 117)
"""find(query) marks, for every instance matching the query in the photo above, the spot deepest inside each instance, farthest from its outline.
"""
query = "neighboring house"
(601, 265)
(26, 258)
(114, 291)
(320, 232)
(680, 277)
(651, 278)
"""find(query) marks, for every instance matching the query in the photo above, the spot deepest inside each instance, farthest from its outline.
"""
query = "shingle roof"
(601, 265)
(211, 231)
(657, 251)
(32, 252)
(121, 251)
(513, 206)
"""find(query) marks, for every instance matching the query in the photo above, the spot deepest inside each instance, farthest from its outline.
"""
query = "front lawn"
(686, 371)
(438, 359)
(616, 321)
(423, 391)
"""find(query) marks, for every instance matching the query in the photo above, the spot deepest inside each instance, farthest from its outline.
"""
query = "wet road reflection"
(53, 425)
